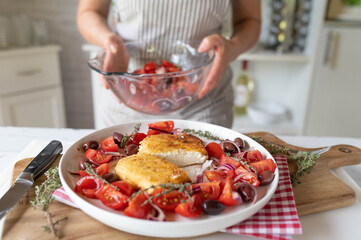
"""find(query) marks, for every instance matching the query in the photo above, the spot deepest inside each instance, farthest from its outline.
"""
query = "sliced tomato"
(226, 195)
(223, 159)
(83, 173)
(102, 169)
(167, 64)
(249, 177)
(150, 67)
(214, 150)
(139, 71)
(264, 165)
(161, 127)
(124, 187)
(112, 198)
(137, 139)
(89, 186)
(209, 190)
(168, 201)
(108, 145)
(173, 69)
(240, 170)
(254, 156)
(231, 173)
(216, 176)
(97, 157)
(191, 208)
(136, 207)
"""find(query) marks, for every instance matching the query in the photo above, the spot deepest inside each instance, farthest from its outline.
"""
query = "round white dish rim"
(182, 227)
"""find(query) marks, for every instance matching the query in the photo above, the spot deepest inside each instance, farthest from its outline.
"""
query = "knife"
(25, 180)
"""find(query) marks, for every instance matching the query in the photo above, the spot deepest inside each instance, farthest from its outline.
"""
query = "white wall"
(61, 16)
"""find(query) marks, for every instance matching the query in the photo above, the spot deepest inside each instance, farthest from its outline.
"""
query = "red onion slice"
(225, 167)
(241, 175)
(116, 154)
(155, 214)
(236, 196)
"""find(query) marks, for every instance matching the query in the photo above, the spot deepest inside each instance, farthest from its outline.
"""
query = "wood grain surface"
(319, 191)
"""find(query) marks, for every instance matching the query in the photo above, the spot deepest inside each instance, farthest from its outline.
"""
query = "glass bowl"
(158, 92)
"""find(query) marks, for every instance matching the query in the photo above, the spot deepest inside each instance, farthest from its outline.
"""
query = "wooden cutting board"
(319, 191)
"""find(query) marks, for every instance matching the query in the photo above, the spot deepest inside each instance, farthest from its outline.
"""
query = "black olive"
(239, 142)
(117, 138)
(246, 192)
(266, 177)
(229, 147)
(131, 149)
(91, 145)
(212, 207)
(110, 177)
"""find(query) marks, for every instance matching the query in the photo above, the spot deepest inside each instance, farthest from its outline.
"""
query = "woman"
(147, 20)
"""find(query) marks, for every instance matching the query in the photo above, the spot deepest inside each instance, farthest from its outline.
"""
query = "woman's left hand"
(223, 56)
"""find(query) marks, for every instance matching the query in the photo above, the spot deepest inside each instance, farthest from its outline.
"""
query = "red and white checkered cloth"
(278, 220)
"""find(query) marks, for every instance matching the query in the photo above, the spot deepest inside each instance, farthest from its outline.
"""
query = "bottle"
(243, 87)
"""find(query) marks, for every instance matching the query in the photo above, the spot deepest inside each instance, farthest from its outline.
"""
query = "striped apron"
(171, 19)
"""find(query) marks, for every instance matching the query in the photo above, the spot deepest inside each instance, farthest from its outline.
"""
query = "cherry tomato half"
(108, 145)
(162, 127)
(168, 201)
(136, 207)
(215, 176)
(264, 165)
(137, 139)
(226, 195)
(124, 187)
(223, 159)
(97, 157)
(102, 169)
(191, 208)
(89, 186)
(112, 198)
(214, 150)
(254, 156)
(249, 177)
(209, 190)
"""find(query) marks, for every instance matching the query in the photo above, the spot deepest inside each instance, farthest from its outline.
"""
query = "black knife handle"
(44, 159)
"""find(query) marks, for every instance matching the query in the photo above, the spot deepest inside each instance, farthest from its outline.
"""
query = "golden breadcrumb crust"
(144, 170)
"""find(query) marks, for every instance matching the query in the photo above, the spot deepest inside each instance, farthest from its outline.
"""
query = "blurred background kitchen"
(302, 78)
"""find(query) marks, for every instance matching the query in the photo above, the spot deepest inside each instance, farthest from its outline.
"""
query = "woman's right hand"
(116, 56)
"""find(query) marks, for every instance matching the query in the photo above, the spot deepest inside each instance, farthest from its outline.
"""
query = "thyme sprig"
(43, 198)
(305, 161)
(206, 134)
(168, 188)
(127, 137)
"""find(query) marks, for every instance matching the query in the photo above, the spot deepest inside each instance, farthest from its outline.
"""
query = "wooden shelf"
(244, 124)
(268, 55)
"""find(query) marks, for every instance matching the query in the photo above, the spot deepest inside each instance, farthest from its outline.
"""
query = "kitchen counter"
(341, 223)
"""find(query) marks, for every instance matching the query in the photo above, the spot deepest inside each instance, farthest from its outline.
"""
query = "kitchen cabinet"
(336, 97)
(31, 92)
(284, 78)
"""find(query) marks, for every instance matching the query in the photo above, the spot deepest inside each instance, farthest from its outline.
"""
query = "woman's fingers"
(219, 64)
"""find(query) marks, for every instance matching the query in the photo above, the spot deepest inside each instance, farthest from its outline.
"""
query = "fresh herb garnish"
(305, 161)
(44, 197)
(205, 134)
(127, 137)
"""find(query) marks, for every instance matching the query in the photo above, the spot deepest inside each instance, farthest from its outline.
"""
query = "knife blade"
(25, 180)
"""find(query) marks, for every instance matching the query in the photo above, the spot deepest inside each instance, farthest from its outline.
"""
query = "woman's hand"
(116, 56)
(223, 56)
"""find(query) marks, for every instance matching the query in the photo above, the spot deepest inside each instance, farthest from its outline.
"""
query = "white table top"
(17, 143)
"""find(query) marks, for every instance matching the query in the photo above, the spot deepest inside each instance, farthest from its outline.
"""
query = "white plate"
(180, 227)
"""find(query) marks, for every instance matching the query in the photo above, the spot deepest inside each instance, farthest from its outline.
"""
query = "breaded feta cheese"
(181, 150)
(144, 170)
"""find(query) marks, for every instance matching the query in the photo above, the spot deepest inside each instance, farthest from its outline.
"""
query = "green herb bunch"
(44, 197)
